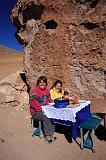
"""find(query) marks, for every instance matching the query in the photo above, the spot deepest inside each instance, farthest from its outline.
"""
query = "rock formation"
(13, 91)
(64, 39)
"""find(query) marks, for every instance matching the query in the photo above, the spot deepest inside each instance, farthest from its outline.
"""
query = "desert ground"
(16, 142)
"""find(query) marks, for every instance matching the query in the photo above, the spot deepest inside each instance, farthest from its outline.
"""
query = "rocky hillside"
(64, 39)
(10, 58)
(13, 90)
(5, 50)
(10, 61)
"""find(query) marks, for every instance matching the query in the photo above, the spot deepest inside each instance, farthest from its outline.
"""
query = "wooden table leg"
(93, 146)
(105, 120)
(82, 138)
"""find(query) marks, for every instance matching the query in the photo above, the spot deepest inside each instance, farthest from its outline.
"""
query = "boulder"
(14, 90)
(64, 40)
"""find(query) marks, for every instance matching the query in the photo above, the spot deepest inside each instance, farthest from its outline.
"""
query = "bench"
(103, 116)
(37, 128)
(91, 124)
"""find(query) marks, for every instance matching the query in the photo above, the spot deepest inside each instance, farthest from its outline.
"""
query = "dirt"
(16, 142)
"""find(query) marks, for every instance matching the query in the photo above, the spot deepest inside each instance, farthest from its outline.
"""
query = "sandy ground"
(16, 142)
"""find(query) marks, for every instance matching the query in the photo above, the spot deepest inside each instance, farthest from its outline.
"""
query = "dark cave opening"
(94, 3)
(105, 74)
(91, 3)
(89, 25)
(32, 12)
(105, 78)
(23, 77)
(51, 24)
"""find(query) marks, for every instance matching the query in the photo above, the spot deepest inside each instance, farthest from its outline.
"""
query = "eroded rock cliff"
(64, 39)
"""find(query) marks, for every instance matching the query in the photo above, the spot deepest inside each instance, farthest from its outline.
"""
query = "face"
(42, 84)
(58, 87)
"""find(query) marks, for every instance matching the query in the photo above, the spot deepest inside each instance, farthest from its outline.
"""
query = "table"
(69, 116)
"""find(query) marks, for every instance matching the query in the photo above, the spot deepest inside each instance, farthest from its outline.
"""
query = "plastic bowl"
(61, 103)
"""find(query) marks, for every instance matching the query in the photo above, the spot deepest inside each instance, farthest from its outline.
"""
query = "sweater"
(55, 94)
(39, 97)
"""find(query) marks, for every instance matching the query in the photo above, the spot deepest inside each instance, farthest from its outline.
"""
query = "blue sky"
(7, 29)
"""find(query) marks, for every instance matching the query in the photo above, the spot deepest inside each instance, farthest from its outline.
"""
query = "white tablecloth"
(63, 113)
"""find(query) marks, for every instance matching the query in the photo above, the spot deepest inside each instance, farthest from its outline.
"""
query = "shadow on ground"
(66, 130)
(101, 132)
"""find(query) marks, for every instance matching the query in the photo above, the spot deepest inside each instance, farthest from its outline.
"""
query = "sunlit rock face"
(64, 39)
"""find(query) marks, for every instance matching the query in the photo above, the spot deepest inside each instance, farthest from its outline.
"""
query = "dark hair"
(42, 78)
(56, 82)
